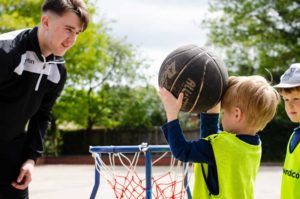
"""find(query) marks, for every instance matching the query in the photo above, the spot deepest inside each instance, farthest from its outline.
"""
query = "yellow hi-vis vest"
(290, 183)
(237, 165)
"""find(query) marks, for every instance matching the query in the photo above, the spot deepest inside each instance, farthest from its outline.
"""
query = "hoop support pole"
(148, 175)
(97, 180)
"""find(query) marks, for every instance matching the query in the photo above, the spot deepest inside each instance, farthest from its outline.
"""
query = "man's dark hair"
(61, 6)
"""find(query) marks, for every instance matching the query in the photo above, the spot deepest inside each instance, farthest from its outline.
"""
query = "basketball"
(197, 72)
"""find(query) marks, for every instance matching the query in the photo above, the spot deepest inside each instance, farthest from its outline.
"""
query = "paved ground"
(76, 182)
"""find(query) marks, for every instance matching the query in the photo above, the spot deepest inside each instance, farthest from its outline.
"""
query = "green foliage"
(111, 107)
(68, 109)
(99, 68)
(53, 143)
(86, 61)
(97, 59)
(256, 34)
(19, 14)
(136, 107)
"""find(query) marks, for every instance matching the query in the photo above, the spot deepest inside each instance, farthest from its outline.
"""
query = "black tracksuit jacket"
(29, 87)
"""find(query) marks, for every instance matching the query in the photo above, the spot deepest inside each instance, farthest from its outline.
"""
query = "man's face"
(292, 105)
(62, 32)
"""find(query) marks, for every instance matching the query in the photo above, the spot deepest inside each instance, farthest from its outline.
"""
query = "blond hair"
(256, 98)
(288, 90)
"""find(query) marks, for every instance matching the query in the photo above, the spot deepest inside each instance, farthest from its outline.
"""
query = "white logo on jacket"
(31, 63)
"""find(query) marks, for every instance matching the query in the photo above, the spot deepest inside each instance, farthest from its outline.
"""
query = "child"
(226, 162)
(289, 89)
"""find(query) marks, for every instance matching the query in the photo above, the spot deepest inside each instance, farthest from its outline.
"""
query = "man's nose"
(72, 38)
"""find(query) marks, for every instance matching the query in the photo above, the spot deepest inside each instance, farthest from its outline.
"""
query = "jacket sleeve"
(39, 123)
(194, 151)
(8, 62)
(209, 124)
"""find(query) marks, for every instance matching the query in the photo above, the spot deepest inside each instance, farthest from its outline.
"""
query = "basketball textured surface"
(197, 72)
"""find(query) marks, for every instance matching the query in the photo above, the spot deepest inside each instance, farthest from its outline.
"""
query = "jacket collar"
(33, 37)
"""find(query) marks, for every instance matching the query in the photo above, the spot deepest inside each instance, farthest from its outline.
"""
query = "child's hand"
(215, 109)
(171, 104)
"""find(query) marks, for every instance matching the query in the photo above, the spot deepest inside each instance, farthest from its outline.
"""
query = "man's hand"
(171, 104)
(25, 175)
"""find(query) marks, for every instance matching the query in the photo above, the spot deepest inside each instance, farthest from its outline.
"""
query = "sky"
(156, 27)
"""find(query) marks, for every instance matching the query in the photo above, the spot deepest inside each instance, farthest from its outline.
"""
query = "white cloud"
(157, 27)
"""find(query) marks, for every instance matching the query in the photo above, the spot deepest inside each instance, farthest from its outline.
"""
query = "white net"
(125, 173)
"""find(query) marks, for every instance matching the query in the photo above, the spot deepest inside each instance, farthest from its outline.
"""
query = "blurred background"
(111, 93)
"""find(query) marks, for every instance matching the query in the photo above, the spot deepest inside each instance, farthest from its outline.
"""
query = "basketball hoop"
(168, 183)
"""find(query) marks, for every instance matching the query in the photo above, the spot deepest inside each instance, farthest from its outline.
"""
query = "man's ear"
(238, 114)
(45, 21)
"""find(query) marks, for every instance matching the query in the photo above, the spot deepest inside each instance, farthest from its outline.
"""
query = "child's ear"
(238, 114)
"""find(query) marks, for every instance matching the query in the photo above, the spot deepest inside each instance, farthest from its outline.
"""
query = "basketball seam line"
(201, 86)
(182, 70)
(221, 82)
(179, 53)
(172, 57)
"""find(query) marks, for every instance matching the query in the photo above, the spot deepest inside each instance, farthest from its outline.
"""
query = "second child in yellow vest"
(226, 162)
(289, 89)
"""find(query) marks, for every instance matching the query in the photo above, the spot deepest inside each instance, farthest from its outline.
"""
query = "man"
(32, 76)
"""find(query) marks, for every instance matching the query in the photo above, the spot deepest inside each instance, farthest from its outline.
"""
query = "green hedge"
(274, 139)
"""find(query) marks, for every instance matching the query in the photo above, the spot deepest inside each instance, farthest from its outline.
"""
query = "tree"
(256, 35)
(135, 107)
(97, 59)
(117, 106)
(19, 14)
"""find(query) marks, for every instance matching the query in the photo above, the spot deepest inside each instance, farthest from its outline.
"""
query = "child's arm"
(209, 121)
(195, 151)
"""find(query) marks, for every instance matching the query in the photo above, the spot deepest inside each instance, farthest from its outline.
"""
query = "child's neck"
(242, 130)
(252, 133)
